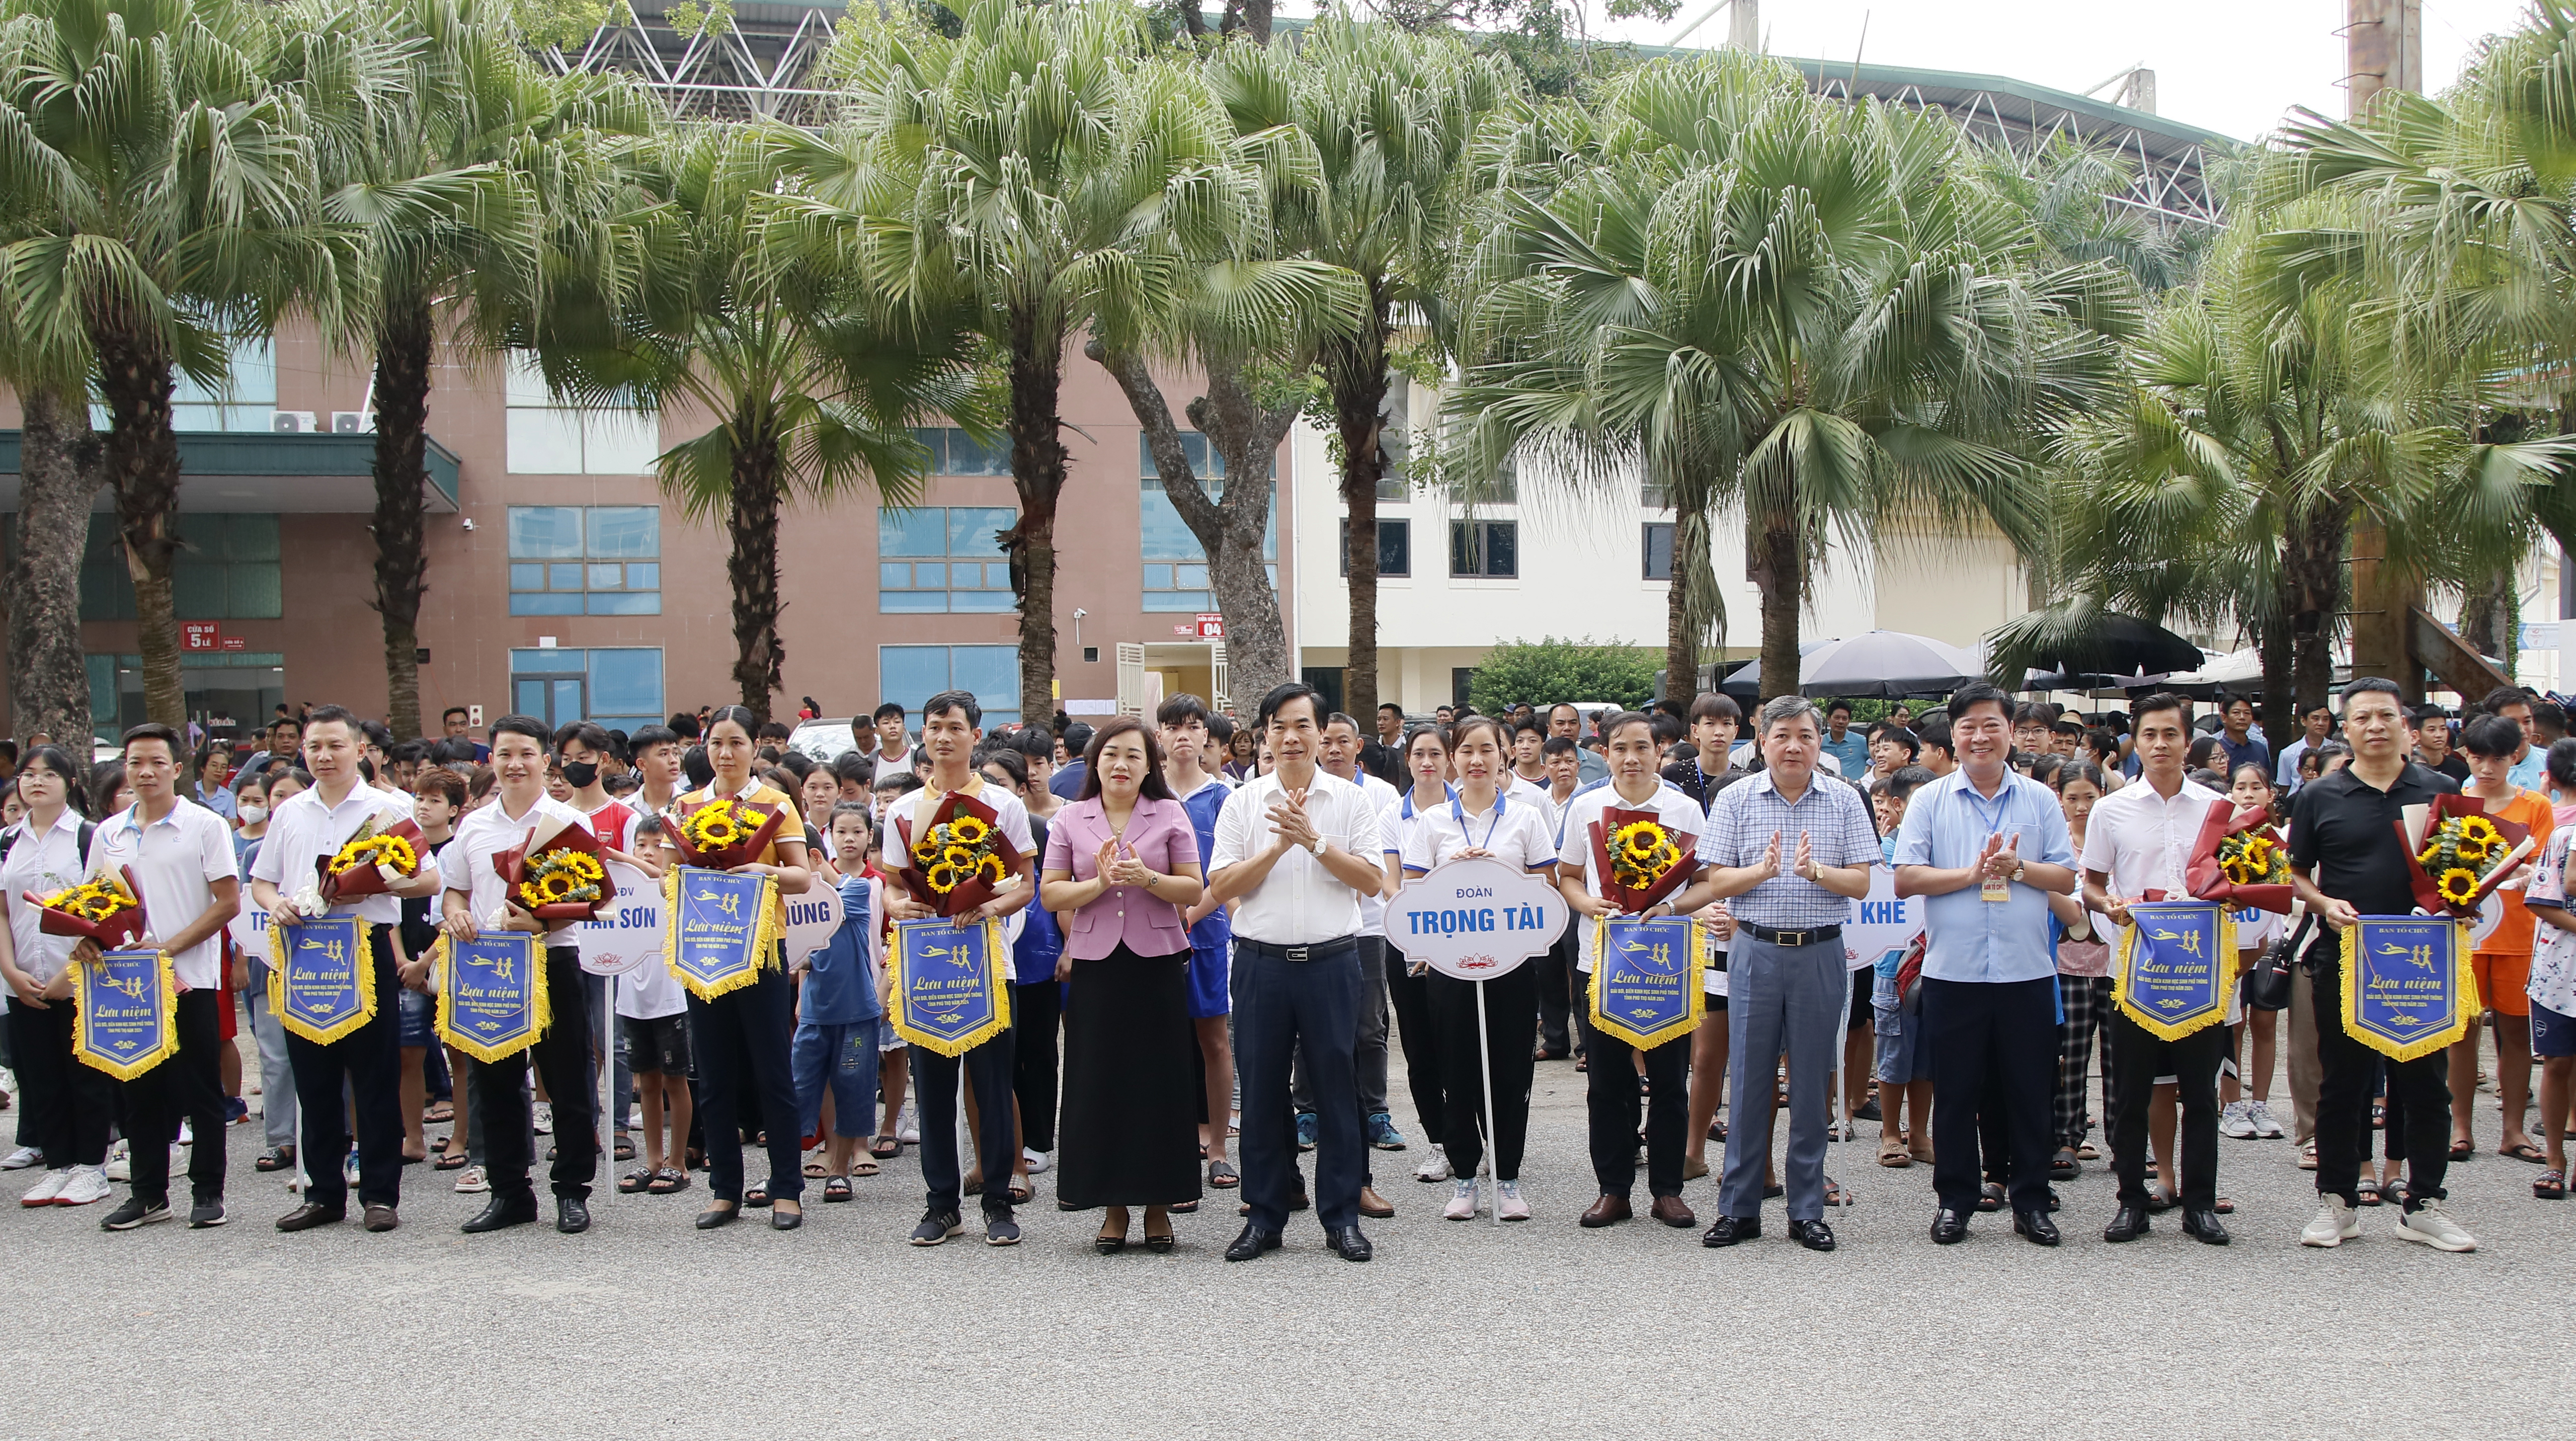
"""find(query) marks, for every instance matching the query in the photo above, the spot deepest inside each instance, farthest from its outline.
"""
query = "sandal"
(2551, 1185)
(2379, 1116)
(2224, 1206)
(667, 1180)
(815, 1169)
(2063, 1166)
(634, 1181)
(1892, 1154)
(885, 1146)
(2366, 1191)
(624, 1150)
(2524, 1151)
(2462, 1150)
(1990, 1198)
(1021, 1190)
(755, 1195)
(836, 1188)
(862, 1166)
(1223, 1176)
(2086, 1152)
(438, 1114)
(1836, 1196)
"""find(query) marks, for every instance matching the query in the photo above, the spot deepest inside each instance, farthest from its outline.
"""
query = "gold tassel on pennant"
(364, 969)
(165, 1046)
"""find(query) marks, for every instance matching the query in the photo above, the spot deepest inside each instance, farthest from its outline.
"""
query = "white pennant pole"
(1485, 1053)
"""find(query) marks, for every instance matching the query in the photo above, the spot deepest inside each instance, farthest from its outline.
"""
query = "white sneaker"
(87, 1186)
(47, 1187)
(118, 1167)
(1462, 1200)
(2264, 1125)
(542, 1119)
(2335, 1224)
(1508, 1203)
(1038, 1160)
(2429, 1224)
(908, 1129)
(21, 1158)
(1434, 1167)
(472, 1182)
(2236, 1121)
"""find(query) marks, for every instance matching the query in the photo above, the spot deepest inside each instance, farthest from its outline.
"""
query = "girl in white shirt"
(68, 1105)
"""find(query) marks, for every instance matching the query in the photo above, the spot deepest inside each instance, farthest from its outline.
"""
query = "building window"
(1659, 550)
(546, 437)
(1485, 548)
(242, 402)
(954, 452)
(1176, 571)
(914, 673)
(943, 559)
(620, 687)
(1394, 546)
(227, 569)
(1657, 497)
(585, 560)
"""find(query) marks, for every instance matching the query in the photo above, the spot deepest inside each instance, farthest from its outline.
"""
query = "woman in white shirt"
(1482, 821)
(68, 1105)
(1408, 991)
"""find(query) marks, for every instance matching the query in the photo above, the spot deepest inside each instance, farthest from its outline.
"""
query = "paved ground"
(646, 1326)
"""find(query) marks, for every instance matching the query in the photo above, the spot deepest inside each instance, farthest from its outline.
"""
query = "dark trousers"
(562, 1058)
(1614, 1106)
(934, 1089)
(1410, 996)
(65, 1108)
(1555, 983)
(1287, 1010)
(2419, 1098)
(1994, 1047)
(369, 1061)
(742, 1041)
(187, 1084)
(1035, 1010)
(1509, 1006)
(1781, 997)
(2193, 1062)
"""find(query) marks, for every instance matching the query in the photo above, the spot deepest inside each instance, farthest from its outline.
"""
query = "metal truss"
(759, 67)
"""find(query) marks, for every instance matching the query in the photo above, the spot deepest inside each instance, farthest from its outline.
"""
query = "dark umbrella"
(2072, 640)
(1886, 664)
(1745, 684)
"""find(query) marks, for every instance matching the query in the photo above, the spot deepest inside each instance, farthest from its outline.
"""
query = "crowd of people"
(1202, 989)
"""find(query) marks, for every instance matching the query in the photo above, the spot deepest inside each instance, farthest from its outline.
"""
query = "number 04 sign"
(1474, 919)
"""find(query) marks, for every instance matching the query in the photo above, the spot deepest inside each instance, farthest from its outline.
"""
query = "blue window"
(943, 559)
(954, 452)
(227, 569)
(1176, 571)
(585, 560)
(618, 686)
(914, 673)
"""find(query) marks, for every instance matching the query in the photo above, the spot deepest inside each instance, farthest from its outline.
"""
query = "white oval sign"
(628, 933)
(1475, 918)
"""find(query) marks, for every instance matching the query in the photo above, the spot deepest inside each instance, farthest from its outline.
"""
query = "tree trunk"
(1695, 608)
(1355, 370)
(1775, 560)
(2488, 617)
(751, 519)
(1681, 647)
(2314, 558)
(2280, 700)
(1037, 473)
(59, 474)
(403, 338)
(141, 462)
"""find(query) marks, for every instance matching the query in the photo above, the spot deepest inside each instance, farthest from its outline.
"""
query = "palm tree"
(168, 199)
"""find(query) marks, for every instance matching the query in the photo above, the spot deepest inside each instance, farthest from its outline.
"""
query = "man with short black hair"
(1564, 720)
(1338, 755)
(1068, 777)
(452, 726)
(1390, 725)
(2531, 763)
(1848, 747)
(1936, 755)
(1184, 721)
(2315, 725)
(894, 747)
(2236, 736)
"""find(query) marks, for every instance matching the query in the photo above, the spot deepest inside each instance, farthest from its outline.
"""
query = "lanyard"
(1407, 812)
(1993, 824)
(1458, 811)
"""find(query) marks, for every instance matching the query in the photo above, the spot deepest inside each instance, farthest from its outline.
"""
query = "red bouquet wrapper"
(977, 884)
(1607, 842)
(756, 825)
(116, 932)
(2416, 827)
(367, 880)
(2208, 880)
(519, 862)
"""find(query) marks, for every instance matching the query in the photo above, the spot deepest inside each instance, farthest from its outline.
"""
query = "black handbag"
(2267, 981)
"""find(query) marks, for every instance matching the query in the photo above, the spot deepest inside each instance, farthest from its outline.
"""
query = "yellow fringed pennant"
(492, 1033)
(99, 1047)
(702, 931)
(2408, 990)
(950, 994)
(352, 1002)
(2186, 1004)
(1646, 988)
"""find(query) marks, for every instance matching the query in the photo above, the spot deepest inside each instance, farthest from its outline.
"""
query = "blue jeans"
(843, 1056)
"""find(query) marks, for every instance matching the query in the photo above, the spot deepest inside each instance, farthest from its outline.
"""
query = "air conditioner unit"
(292, 422)
(353, 422)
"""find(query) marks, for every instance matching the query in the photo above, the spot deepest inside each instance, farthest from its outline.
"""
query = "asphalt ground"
(645, 1327)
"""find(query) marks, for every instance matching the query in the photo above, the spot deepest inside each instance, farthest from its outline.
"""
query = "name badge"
(1996, 889)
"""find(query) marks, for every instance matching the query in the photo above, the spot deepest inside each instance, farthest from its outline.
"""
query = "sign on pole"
(1475, 919)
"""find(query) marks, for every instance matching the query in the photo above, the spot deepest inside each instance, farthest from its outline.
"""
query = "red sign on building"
(234, 642)
(200, 635)
(1211, 626)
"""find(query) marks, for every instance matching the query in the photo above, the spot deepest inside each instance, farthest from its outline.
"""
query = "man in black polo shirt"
(2349, 860)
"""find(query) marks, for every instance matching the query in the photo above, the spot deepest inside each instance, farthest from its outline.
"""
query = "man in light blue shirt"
(1848, 747)
(1985, 846)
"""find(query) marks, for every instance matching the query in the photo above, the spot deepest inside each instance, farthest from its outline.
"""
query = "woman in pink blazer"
(1122, 863)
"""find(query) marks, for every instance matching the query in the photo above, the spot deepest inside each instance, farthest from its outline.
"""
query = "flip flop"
(2524, 1152)
(885, 1146)
(2462, 1150)
(450, 1160)
(439, 1114)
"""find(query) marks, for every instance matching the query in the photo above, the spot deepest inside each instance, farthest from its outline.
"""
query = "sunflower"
(968, 830)
(714, 831)
(396, 852)
(943, 877)
(2239, 873)
(557, 884)
(2428, 855)
(2479, 829)
(1639, 839)
(990, 868)
(2459, 886)
(925, 852)
(583, 864)
(2258, 852)
(2469, 848)
(958, 856)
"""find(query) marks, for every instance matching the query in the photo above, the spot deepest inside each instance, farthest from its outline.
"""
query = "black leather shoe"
(715, 1216)
(2203, 1226)
(2035, 1227)
(502, 1211)
(1349, 1244)
(1814, 1235)
(1252, 1243)
(2128, 1225)
(785, 1220)
(1949, 1227)
(1731, 1229)
(572, 1216)
(309, 1215)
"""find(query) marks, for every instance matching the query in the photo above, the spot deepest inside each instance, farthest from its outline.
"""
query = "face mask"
(253, 815)
(579, 774)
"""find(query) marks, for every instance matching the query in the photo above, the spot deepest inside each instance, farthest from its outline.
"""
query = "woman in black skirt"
(1122, 862)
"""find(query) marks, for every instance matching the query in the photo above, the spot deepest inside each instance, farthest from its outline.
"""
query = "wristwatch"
(2020, 868)
(1318, 848)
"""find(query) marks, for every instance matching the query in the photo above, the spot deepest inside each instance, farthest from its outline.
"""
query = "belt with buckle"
(1808, 937)
(1311, 951)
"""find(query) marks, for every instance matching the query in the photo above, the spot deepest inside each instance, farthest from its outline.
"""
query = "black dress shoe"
(572, 1215)
(1949, 1227)
(1349, 1244)
(503, 1211)
(716, 1216)
(310, 1215)
(785, 1220)
(2128, 1225)
(1731, 1229)
(2203, 1226)
(2035, 1227)
(1251, 1243)
(1814, 1235)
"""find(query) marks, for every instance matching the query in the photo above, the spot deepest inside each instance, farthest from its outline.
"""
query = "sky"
(2233, 66)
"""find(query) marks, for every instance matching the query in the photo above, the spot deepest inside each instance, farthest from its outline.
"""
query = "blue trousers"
(934, 1087)
(1286, 1010)
(742, 1039)
(1994, 1061)
(1781, 996)
(843, 1056)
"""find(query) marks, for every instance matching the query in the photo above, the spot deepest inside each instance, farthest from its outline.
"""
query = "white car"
(824, 740)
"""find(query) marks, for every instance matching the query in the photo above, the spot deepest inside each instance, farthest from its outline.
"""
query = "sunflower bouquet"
(106, 908)
(2240, 861)
(724, 832)
(2457, 854)
(960, 858)
(1639, 858)
(378, 858)
(560, 878)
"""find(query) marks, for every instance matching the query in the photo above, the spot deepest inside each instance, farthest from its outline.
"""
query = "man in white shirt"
(894, 748)
(1299, 848)
(1339, 756)
(181, 857)
(307, 830)
(477, 899)
(2139, 839)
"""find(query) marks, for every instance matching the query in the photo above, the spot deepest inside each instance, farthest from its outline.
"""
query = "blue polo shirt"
(1967, 937)
(1203, 804)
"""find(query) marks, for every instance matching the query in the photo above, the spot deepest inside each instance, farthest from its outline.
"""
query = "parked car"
(825, 740)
